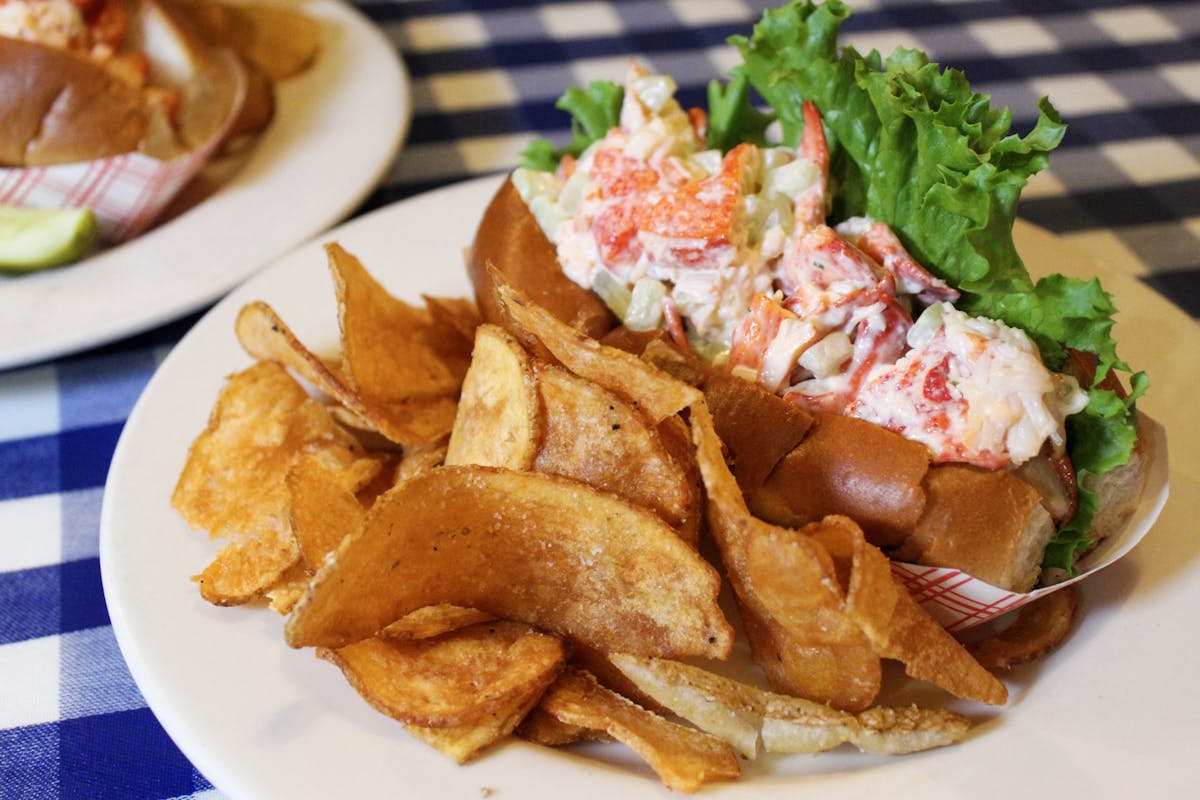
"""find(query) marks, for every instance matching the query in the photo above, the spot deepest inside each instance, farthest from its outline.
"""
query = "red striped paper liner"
(126, 192)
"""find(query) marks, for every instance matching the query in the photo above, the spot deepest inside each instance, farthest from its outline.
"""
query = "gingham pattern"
(1125, 184)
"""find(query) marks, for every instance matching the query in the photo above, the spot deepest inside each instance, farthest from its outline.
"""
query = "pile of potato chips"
(497, 530)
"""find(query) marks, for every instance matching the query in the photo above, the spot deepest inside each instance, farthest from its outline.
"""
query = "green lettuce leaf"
(912, 145)
(1099, 439)
(732, 118)
(594, 111)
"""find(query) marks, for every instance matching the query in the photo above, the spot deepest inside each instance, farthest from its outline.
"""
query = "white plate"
(337, 128)
(1111, 715)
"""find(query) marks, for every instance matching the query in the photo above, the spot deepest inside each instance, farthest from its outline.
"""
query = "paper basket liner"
(126, 192)
(960, 602)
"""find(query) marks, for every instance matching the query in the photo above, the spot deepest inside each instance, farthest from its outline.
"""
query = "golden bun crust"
(987, 523)
(850, 467)
(510, 240)
(57, 107)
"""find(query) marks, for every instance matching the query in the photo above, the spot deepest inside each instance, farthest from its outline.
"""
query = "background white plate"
(1111, 715)
(337, 128)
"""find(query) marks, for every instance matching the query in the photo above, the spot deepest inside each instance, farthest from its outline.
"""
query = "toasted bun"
(57, 107)
(794, 467)
(850, 467)
(511, 241)
(987, 523)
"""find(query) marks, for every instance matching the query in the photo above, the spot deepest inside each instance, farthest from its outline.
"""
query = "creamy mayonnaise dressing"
(971, 389)
(731, 255)
(648, 201)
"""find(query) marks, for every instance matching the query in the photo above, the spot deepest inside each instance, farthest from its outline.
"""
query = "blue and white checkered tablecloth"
(1125, 184)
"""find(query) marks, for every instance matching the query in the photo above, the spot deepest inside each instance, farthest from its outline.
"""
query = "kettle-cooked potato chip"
(656, 393)
(430, 621)
(524, 546)
(754, 720)
(595, 436)
(1039, 627)
(373, 324)
(787, 592)
(233, 482)
(684, 758)
(500, 420)
(463, 742)
(453, 679)
(460, 692)
(414, 421)
(542, 727)
(896, 625)
(324, 508)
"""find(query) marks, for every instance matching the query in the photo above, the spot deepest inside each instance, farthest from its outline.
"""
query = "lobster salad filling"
(733, 256)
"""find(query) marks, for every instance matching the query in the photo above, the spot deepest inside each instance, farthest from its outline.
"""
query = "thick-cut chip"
(676, 437)
(1039, 627)
(500, 419)
(459, 692)
(536, 548)
(455, 678)
(897, 626)
(433, 621)
(595, 436)
(324, 508)
(753, 720)
(464, 742)
(523, 413)
(419, 458)
(287, 590)
(246, 569)
(597, 664)
(454, 320)
(897, 731)
(233, 483)
(542, 727)
(749, 718)
(653, 391)
(725, 708)
(758, 426)
(776, 573)
(684, 758)
(264, 336)
(418, 420)
(794, 725)
(391, 350)
(787, 592)
(797, 626)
